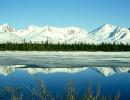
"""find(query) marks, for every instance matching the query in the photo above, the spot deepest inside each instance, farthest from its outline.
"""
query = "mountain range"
(106, 33)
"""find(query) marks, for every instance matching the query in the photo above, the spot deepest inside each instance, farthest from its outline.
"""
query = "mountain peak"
(6, 28)
(5, 24)
(108, 26)
(32, 27)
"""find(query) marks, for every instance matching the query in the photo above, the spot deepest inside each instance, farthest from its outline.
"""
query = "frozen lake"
(66, 59)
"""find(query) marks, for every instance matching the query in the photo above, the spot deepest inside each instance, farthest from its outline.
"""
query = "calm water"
(110, 71)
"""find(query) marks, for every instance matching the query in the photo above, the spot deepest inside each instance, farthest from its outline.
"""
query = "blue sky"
(88, 14)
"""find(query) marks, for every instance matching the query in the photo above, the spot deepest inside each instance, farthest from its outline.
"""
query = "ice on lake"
(66, 59)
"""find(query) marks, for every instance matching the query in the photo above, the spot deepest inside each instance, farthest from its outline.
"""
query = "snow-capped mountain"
(54, 34)
(7, 34)
(110, 33)
(105, 33)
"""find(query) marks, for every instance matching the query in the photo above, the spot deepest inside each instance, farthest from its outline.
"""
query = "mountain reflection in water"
(105, 71)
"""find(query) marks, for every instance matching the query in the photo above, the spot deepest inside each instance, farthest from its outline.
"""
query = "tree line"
(64, 47)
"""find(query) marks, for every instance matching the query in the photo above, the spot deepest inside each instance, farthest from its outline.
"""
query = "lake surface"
(108, 70)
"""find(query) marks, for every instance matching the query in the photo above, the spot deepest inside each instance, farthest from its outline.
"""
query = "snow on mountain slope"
(55, 35)
(102, 32)
(6, 28)
(109, 33)
(7, 34)
(105, 33)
